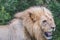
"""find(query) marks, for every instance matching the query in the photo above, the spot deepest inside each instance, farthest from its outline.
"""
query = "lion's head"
(47, 23)
(41, 15)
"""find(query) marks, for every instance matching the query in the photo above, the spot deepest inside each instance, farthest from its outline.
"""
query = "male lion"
(38, 22)
(35, 23)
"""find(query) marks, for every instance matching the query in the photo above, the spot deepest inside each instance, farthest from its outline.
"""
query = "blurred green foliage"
(9, 7)
(4, 16)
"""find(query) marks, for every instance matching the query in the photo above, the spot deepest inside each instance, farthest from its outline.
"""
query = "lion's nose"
(53, 28)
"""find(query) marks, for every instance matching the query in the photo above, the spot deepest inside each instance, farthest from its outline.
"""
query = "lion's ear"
(33, 17)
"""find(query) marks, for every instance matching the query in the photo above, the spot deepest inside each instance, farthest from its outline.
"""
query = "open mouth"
(48, 35)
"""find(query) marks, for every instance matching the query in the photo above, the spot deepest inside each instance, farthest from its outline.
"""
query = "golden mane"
(27, 25)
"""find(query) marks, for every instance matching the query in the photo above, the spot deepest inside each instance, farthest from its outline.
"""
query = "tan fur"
(27, 25)
(31, 18)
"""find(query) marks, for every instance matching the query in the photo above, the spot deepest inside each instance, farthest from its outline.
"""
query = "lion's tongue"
(48, 34)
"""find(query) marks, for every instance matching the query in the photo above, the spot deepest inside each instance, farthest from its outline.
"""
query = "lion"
(38, 21)
(34, 23)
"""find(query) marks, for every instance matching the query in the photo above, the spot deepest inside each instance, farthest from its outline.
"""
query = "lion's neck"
(28, 24)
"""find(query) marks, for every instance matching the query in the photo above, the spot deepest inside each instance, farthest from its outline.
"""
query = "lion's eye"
(44, 21)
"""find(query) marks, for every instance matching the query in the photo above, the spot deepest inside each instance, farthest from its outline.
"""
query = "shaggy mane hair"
(26, 25)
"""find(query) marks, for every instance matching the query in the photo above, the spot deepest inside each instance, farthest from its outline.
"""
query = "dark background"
(9, 7)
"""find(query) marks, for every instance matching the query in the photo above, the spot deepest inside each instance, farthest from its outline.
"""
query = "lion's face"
(47, 24)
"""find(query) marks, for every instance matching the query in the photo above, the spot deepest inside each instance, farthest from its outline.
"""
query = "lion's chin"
(48, 35)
